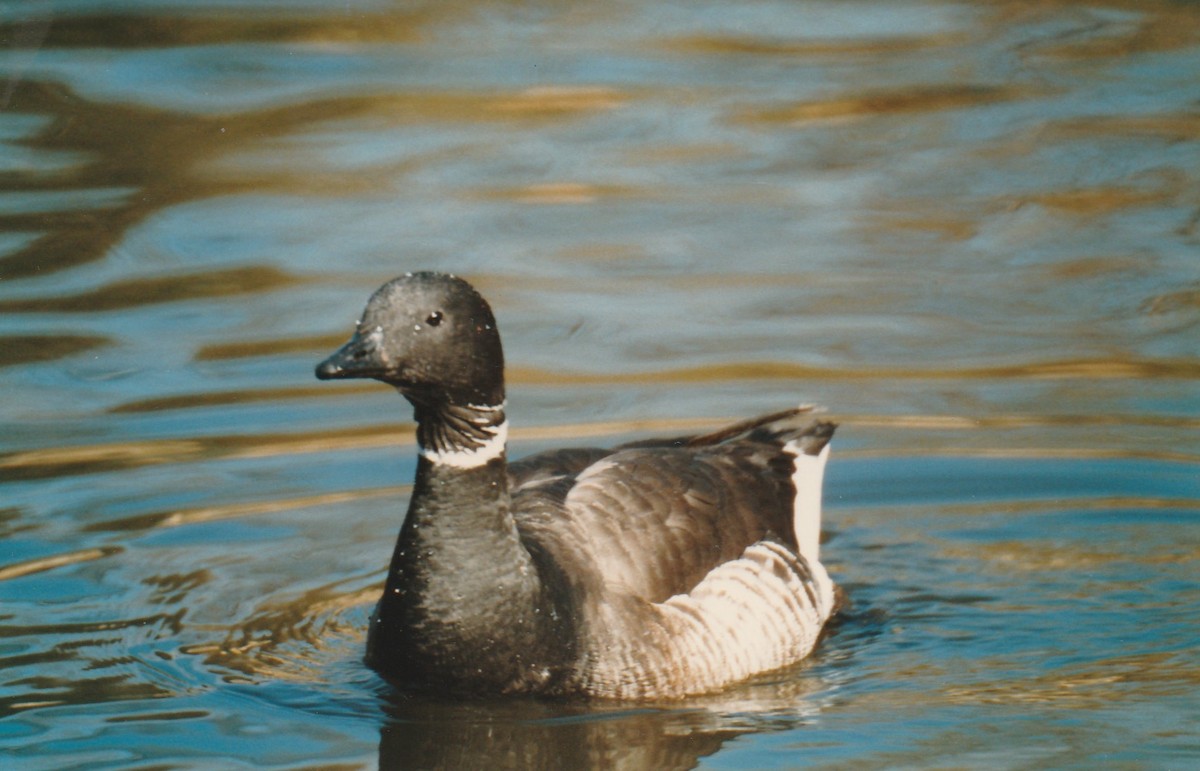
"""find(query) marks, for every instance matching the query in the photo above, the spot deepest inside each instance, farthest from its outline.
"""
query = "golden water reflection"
(922, 99)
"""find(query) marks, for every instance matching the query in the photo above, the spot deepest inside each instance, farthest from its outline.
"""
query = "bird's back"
(663, 546)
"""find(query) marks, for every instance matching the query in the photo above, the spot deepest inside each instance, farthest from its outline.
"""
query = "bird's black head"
(432, 336)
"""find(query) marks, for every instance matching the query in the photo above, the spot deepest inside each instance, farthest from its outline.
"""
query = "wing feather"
(653, 523)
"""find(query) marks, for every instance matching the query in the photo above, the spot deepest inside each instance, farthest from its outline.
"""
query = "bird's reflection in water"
(529, 735)
(421, 732)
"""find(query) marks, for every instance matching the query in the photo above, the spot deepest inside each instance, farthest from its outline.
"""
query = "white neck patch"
(473, 457)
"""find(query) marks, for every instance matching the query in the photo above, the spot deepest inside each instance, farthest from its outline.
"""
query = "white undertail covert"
(808, 476)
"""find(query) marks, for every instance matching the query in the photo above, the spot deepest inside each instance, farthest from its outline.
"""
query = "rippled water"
(970, 230)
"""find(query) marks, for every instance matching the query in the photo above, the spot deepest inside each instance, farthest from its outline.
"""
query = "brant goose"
(657, 569)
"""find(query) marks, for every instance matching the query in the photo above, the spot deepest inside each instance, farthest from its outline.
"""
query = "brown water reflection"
(150, 151)
(23, 349)
(1176, 127)
(921, 99)
(158, 154)
(1169, 27)
(1089, 687)
(148, 291)
(132, 30)
(772, 47)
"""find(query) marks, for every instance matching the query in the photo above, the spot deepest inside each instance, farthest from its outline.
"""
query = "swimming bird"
(653, 570)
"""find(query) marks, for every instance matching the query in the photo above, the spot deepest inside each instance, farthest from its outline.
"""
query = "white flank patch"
(749, 615)
(474, 457)
(808, 478)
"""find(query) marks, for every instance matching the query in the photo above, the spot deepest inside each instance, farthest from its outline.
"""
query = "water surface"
(968, 229)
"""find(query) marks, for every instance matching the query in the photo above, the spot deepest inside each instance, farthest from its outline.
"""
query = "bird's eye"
(434, 319)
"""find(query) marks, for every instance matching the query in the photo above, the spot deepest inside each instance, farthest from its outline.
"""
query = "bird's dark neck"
(464, 601)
